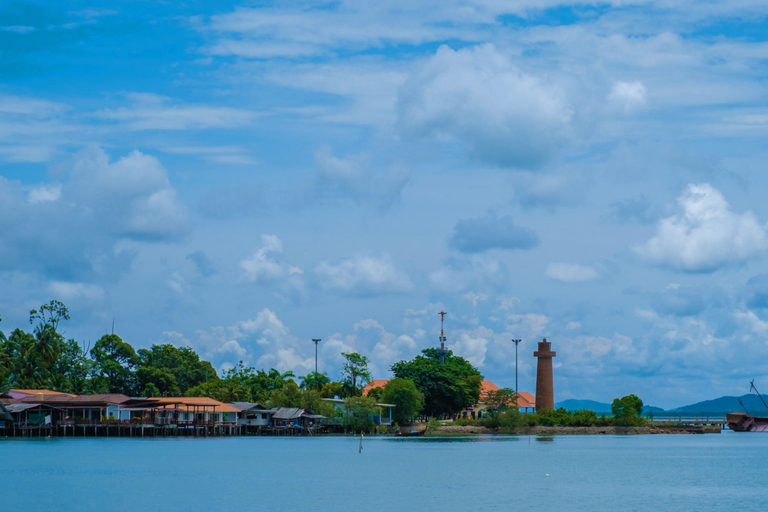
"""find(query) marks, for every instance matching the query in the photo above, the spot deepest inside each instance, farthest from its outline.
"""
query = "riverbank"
(560, 430)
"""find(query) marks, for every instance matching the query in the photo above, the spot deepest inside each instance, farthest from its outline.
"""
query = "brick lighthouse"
(545, 389)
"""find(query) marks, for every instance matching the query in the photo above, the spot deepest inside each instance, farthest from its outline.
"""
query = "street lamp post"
(316, 340)
(517, 391)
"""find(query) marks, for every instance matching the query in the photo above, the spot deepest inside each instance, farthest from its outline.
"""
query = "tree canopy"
(355, 373)
(448, 387)
(408, 400)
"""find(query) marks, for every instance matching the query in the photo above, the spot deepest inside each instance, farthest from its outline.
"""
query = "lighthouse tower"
(545, 389)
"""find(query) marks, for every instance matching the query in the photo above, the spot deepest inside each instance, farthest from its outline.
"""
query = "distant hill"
(725, 404)
(598, 407)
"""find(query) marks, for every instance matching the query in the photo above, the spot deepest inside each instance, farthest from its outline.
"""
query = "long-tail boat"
(745, 422)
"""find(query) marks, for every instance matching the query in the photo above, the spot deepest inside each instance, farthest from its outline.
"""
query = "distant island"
(717, 406)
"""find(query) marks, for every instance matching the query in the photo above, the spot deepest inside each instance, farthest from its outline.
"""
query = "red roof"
(375, 383)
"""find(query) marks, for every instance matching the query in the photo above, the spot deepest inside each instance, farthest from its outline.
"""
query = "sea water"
(485, 473)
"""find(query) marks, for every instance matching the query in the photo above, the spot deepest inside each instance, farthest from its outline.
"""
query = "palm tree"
(314, 380)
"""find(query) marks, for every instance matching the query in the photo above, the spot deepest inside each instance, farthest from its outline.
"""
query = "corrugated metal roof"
(247, 406)
(287, 413)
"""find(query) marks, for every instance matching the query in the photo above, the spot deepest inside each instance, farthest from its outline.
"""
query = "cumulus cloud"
(628, 96)
(571, 272)
(491, 232)
(263, 265)
(478, 97)
(362, 275)
(70, 231)
(705, 235)
(264, 341)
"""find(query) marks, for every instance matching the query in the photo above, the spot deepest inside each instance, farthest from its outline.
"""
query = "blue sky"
(241, 177)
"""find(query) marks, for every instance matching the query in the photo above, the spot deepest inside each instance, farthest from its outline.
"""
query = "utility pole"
(316, 340)
(517, 392)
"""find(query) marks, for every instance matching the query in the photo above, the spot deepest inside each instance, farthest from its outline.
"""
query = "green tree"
(181, 362)
(331, 390)
(360, 411)
(73, 368)
(162, 380)
(287, 396)
(627, 410)
(314, 380)
(408, 400)
(354, 373)
(499, 400)
(25, 368)
(150, 390)
(448, 387)
(114, 361)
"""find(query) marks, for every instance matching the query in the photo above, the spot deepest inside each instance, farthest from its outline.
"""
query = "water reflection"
(455, 439)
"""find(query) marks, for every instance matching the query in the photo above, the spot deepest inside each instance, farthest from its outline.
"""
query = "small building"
(252, 415)
(5, 417)
(181, 410)
(525, 402)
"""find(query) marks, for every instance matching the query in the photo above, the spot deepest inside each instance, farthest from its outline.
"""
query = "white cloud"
(705, 235)
(362, 275)
(265, 264)
(153, 112)
(571, 272)
(478, 97)
(628, 96)
(68, 291)
(134, 192)
(44, 193)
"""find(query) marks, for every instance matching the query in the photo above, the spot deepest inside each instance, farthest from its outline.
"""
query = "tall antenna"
(442, 350)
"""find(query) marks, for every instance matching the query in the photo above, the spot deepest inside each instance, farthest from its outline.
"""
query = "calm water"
(589, 473)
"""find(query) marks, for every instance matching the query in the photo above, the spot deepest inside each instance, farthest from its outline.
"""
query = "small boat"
(412, 433)
(745, 422)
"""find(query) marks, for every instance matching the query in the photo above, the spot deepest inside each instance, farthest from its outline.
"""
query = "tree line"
(44, 358)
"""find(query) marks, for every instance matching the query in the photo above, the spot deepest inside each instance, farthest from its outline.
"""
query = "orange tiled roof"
(375, 383)
(487, 386)
(525, 399)
(187, 402)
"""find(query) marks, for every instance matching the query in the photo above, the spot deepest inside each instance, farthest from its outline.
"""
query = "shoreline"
(562, 430)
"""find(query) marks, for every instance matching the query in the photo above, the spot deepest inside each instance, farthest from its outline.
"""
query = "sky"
(242, 177)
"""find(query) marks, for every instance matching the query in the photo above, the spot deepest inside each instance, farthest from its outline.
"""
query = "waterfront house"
(253, 415)
(182, 410)
(5, 416)
(294, 417)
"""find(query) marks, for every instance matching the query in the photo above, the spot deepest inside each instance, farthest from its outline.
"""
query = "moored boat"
(412, 433)
(745, 422)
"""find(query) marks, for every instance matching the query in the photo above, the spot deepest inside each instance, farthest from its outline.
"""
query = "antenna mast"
(442, 350)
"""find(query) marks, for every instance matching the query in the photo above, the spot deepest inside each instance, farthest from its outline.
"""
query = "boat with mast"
(745, 422)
